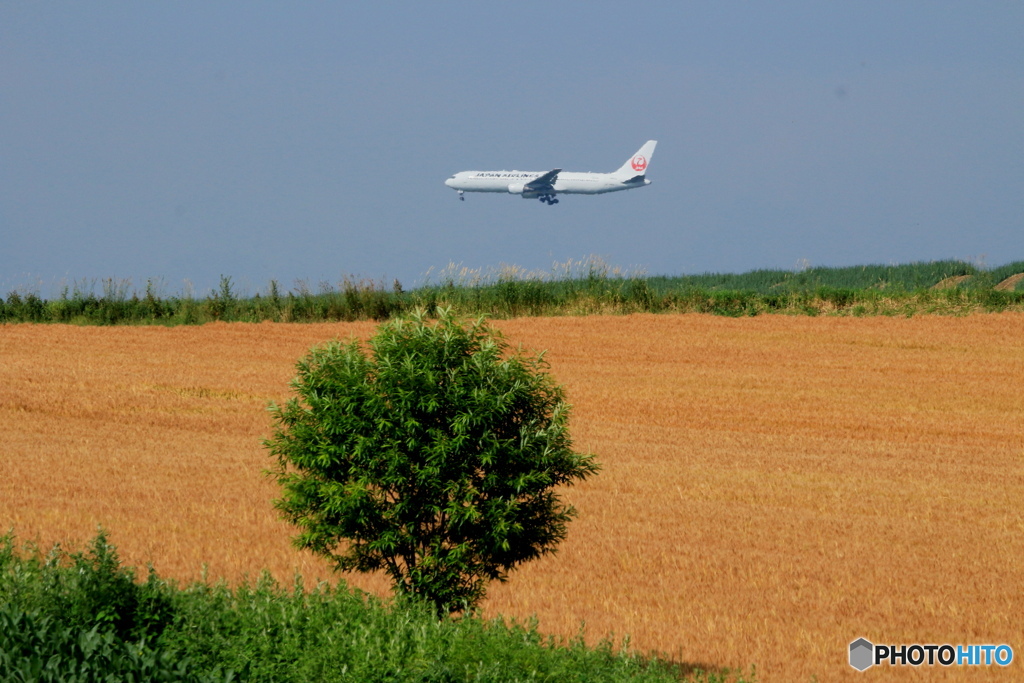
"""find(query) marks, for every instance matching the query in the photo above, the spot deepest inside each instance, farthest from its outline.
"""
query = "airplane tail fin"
(637, 164)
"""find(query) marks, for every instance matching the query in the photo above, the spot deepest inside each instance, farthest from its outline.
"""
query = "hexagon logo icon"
(862, 654)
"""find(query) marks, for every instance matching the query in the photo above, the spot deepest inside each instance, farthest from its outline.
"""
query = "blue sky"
(309, 141)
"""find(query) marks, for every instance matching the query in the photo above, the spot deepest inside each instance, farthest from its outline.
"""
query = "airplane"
(546, 185)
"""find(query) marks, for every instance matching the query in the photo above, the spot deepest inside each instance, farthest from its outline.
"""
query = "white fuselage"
(566, 182)
(546, 185)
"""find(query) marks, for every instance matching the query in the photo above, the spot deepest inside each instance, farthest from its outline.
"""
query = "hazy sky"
(182, 141)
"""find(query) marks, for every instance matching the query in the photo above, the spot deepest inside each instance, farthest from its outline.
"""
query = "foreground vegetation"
(83, 617)
(574, 288)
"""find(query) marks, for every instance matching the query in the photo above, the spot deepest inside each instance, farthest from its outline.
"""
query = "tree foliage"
(433, 457)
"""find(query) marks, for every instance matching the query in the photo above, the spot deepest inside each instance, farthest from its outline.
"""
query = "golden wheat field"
(772, 487)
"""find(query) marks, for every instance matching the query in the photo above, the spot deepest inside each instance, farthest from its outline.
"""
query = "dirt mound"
(1010, 283)
(951, 282)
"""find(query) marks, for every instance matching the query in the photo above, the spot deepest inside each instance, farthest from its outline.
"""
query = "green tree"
(434, 457)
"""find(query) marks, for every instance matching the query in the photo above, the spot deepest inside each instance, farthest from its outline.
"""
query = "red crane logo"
(639, 163)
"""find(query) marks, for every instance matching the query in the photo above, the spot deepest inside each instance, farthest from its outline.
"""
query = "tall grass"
(571, 288)
(84, 617)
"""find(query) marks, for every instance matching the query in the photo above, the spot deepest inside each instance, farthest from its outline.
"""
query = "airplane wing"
(544, 182)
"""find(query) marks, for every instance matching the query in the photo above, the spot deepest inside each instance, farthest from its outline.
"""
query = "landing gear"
(462, 196)
(548, 199)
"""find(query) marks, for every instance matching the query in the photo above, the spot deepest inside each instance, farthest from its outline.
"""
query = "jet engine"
(520, 189)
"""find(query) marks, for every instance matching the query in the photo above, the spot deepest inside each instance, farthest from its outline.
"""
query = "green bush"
(83, 617)
(264, 632)
(433, 458)
(41, 649)
(84, 589)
